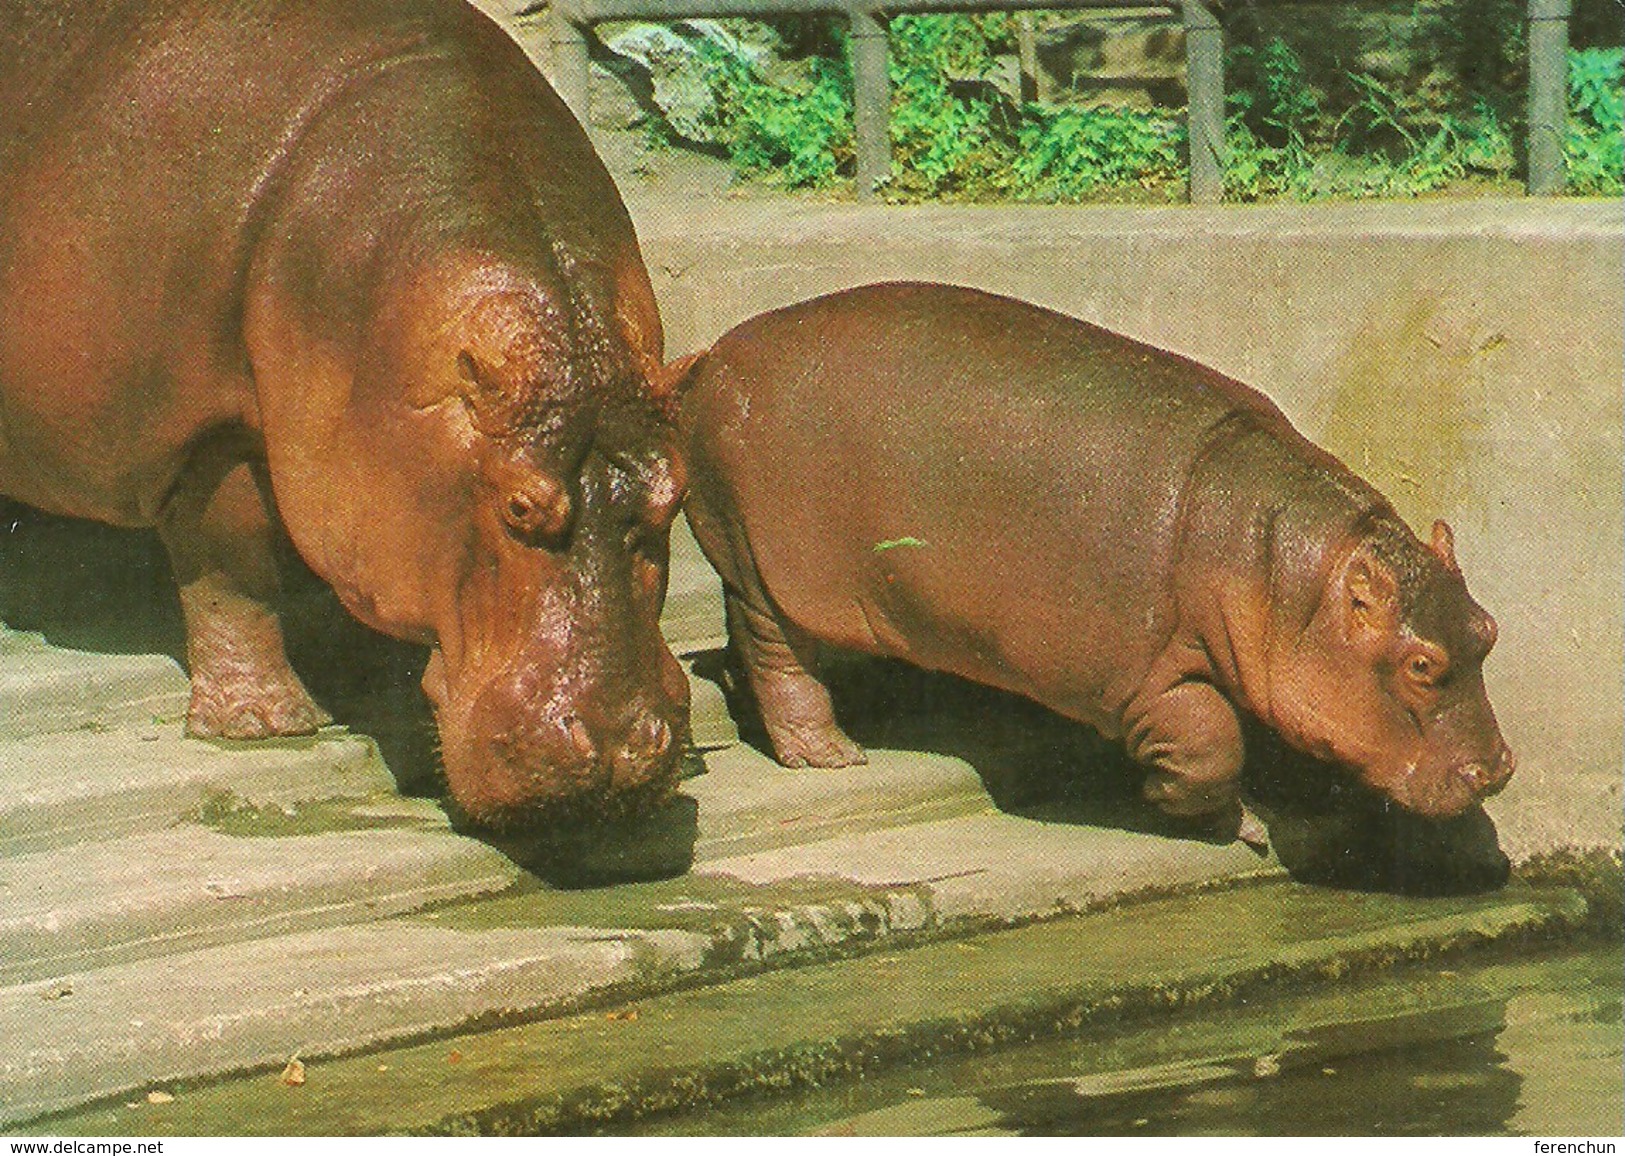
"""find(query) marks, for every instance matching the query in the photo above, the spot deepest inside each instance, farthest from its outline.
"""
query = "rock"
(1139, 61)
(672, 58)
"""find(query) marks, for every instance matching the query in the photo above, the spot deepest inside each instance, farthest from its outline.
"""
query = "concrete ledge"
(750, 804)
(69, 788)
(218, 950)
(48, 690)
(79, 908)
(709, 1045)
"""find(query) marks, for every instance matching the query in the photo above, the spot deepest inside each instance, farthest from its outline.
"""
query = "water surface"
(1532, 1047)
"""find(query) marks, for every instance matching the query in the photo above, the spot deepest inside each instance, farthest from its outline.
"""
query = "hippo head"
(551, 684)
(1386, 677)
(492, 472)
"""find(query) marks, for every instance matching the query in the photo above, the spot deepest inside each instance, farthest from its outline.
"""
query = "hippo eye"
(1426, 665)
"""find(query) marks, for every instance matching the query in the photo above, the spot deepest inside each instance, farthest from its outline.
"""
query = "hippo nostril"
(649, 739)
(579, 735)
(1485, 779)
(537, 506)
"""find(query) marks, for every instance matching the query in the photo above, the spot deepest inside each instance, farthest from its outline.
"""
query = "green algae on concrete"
(800, 1027)
(742, 922)
(229, 813)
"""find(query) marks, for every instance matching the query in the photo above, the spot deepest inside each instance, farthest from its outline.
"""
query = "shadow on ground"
(86, 586)
(1324, 827)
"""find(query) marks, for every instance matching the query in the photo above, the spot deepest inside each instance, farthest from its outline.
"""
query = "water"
(1531, 1047)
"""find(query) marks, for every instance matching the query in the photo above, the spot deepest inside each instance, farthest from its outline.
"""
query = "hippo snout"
(530, 763)
(631, 758)
(1487, 777)
(1440, 790)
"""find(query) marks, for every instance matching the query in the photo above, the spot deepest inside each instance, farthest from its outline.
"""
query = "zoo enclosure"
(573, 20)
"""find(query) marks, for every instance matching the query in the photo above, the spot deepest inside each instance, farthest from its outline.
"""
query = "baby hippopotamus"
(984, 487)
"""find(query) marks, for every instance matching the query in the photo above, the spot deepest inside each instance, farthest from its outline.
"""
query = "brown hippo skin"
(991, 489)
(349, 262)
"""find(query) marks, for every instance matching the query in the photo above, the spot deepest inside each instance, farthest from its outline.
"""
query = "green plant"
(802, 133)
(1592, 143)
(1282, 143)
(1268, 124)
(945, 122)
(1066, 154)
(1289, 105)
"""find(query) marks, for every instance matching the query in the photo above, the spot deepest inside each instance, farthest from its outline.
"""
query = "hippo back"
(1018, 466)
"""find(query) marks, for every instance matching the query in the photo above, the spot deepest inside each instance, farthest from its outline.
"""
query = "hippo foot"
(826, 746)
(266, 712)
(1235, 823)
(1252, 832)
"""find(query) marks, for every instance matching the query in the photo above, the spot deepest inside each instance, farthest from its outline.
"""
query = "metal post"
(1027, 55)
(871, 102)
(1548, 95)
(1204, 86)
(571, 73)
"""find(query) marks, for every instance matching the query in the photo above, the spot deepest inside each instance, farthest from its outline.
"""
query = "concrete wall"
(1466, 358)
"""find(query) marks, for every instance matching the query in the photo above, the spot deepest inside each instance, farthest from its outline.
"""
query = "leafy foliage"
(956, 135)
(946, 124)
(801, 132)
(1593, 144)
(1068, 154)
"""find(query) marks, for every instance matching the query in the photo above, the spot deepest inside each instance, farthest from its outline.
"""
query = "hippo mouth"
(1442, 793)
(537, 818)
(519, 753)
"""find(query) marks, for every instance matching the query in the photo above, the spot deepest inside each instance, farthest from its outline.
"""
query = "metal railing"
(573, 20)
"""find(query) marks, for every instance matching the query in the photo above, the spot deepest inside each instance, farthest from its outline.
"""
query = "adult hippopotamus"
(984, 487)
(349, 262)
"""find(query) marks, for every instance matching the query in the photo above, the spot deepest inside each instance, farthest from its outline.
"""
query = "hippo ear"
(1444, 545)
(674, 376)
(1371, 596)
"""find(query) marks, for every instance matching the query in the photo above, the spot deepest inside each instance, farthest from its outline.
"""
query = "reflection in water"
(1451, 1086)
(1517, 1048)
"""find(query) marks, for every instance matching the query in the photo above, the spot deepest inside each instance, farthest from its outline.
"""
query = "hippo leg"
(781, 663)
(218, 534)
(1190, 739)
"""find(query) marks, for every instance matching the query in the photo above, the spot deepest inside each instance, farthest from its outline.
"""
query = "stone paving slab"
(47, 689)
(709, 1044)
(770, 882)
(710, 726)
(228, 1007)
(998, 867)
(68, 788)
(18, 641)
(71, 909)
(747, 802)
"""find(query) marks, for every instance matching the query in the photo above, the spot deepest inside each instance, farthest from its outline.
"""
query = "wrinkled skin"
(986, 488)
(352, 264)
